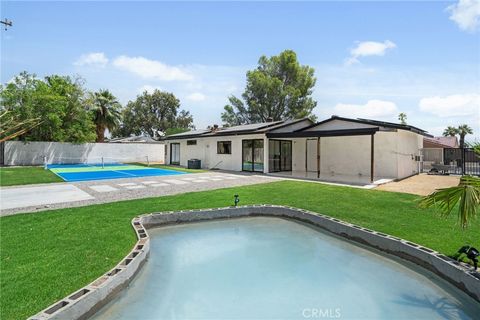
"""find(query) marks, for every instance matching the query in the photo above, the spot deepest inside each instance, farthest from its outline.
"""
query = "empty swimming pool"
(271, 268)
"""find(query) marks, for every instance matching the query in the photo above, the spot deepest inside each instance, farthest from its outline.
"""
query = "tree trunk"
(462, 141)
(100, 133)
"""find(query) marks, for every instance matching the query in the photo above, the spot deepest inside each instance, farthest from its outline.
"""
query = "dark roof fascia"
(216, 134)
(261, 130)
(324, 133)
(198, 135)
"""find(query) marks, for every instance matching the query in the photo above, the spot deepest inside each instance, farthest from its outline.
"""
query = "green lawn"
(48, 255)
(26, 175)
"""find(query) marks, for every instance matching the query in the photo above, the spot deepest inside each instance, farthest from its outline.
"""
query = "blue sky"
(372, 59)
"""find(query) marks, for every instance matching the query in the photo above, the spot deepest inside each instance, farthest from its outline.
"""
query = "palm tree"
(450, 132)
(466, 195)
(463, 130)
(106, 112)
(402, 117)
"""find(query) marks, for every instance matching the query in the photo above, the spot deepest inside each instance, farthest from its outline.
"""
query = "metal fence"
(451, 160)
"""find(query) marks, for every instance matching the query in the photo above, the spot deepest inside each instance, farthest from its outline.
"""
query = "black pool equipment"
(471, 254)
(236, 200)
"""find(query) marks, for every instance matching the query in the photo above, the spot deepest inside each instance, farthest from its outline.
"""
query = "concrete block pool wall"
(85, 302)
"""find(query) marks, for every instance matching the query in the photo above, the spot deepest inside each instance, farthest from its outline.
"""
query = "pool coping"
(86, 301)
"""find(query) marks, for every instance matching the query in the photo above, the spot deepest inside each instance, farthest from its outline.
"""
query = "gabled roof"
(365, 127)
(440, 142)
(252, 128)
(373, 123)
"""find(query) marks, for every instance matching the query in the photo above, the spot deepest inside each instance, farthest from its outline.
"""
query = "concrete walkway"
(41, 195)
(62, 195)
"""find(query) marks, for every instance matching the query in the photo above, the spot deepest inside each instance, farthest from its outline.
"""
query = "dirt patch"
(422, 184)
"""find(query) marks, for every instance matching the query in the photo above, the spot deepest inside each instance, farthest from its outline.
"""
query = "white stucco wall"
(349, 157)
(409, 146)
(32, 153)
(342, 158)
(206, 151)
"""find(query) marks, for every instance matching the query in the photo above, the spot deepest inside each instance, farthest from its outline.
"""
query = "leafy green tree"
(106, 112)
(153, 114)
(280, 88)
(59, 103)
(402, 117)
(11, 127)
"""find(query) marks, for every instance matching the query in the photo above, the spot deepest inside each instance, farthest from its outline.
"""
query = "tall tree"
(58, 101)
(463, 130)
(450, 132)
(153, 114)
(280, 88)
(402, 117)
(106, 112)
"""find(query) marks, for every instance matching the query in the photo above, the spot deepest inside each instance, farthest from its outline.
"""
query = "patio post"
(372, 157)
(318, 158)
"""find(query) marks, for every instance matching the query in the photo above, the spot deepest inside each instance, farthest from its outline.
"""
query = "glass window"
(191, 142)
(224, 147)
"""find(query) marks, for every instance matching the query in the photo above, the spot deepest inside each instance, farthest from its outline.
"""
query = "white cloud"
(369, 48)
(92, 59)
(148, 88)
(196, 96)
(372, 109)
(466, 14)
(456, 105)
(151, 69)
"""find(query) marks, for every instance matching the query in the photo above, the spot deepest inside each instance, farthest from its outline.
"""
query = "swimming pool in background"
(271, 268)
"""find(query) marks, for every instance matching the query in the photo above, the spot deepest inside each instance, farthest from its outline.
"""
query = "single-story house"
(441, 150)
(440, 142)
(337, 149)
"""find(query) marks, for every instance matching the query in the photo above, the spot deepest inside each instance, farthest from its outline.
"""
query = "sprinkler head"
(236, 200)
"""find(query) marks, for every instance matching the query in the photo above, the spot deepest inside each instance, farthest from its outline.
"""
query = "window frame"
(229, 142)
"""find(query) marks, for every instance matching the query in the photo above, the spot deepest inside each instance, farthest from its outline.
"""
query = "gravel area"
(422, 184)
(113, 190)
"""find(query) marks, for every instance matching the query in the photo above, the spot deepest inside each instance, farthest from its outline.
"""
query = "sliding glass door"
(252, 155)
(175, 153)
(280, 155)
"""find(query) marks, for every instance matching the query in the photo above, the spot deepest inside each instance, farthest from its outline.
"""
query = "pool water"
(272, 268)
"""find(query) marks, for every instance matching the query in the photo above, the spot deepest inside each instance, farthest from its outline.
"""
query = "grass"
(47, 255)
(26, 175)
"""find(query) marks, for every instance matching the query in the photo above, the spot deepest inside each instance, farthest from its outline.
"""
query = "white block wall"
(32, 153)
